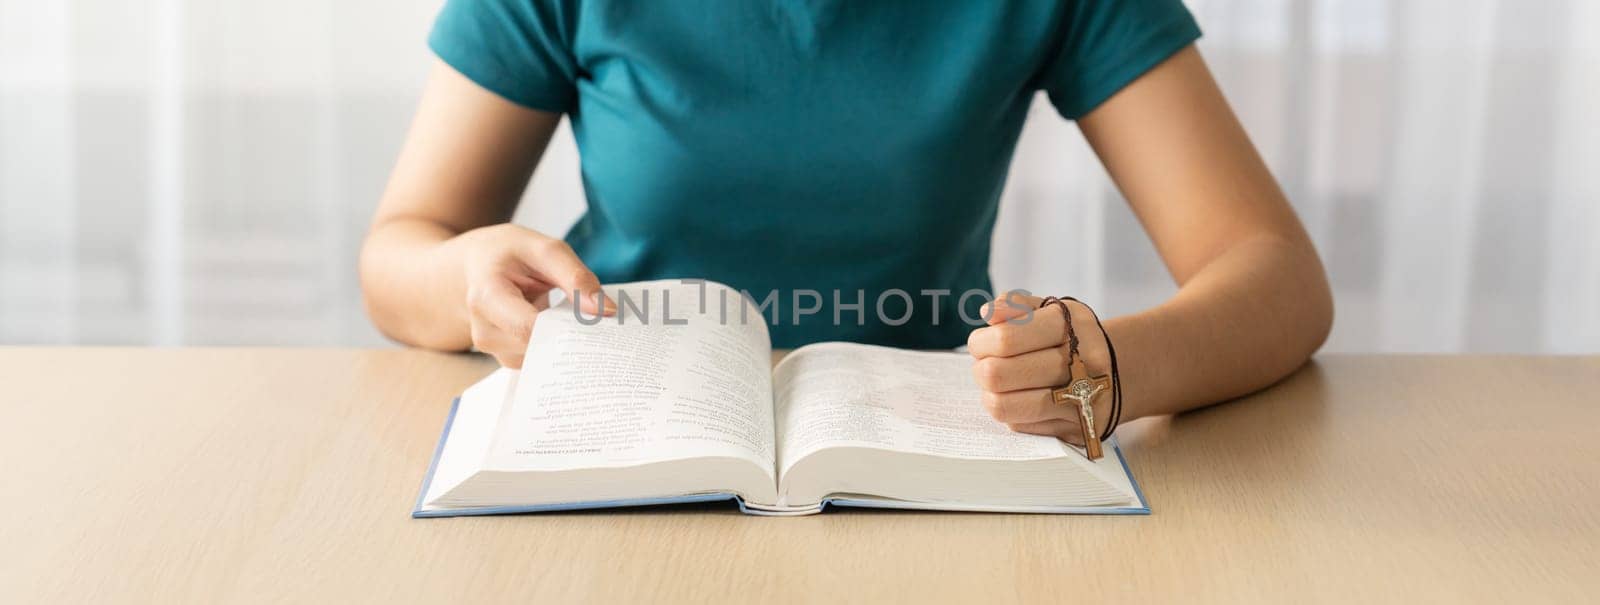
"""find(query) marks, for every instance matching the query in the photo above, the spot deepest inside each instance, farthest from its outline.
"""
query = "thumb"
(1014, 305)
(557, 264)
(590, 297)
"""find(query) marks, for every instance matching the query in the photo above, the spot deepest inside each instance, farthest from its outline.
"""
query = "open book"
(675, 400)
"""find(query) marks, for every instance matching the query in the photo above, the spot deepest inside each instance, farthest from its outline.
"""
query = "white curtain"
(185, 172)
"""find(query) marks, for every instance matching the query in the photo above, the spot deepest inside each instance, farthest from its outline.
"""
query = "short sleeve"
(518, 49)
(1107, 44)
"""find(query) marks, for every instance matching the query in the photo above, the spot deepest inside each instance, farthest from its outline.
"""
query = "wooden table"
(270, 475)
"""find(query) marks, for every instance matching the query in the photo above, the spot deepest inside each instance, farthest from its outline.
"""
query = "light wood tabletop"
(205, 475)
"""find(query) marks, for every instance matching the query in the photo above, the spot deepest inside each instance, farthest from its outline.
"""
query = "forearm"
(413, 281)
(1250, 317)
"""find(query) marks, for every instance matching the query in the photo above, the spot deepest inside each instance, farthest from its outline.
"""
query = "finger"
(501, 304)
(555, 262)
(533, 288)
(509, 360)
(1032, 405)
(1015, 304)
(1040, 369)
(1065, 430)
(505, 348)
(1045, 330)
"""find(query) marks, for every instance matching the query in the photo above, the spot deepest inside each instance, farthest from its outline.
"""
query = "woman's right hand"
(510, 272)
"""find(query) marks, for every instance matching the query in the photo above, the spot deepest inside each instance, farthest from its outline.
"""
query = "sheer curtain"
(183, 172)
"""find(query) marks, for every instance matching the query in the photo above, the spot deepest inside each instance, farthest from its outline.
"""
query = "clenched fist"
(1022, 354)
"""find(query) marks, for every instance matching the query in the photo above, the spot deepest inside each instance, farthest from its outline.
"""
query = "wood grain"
(205, 475)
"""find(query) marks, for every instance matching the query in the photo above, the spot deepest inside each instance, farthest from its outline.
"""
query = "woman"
(776, 145)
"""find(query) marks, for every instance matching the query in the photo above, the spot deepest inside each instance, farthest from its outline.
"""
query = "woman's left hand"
(1022, 354)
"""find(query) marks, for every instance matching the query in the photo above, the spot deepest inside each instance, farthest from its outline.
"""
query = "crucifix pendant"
(1081, 393)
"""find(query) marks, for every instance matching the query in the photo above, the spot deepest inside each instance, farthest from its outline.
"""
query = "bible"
(675, 399)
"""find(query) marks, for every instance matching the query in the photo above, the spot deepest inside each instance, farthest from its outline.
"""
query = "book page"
(844, 395)
(667, 378)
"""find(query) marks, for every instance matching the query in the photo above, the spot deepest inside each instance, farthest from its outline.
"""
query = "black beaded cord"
(1072, 354)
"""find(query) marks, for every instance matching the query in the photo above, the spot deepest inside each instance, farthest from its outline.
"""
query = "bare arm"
(1253, 302)
(440, 268)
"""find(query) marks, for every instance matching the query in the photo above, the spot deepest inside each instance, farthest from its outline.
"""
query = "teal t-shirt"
(840, 160)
